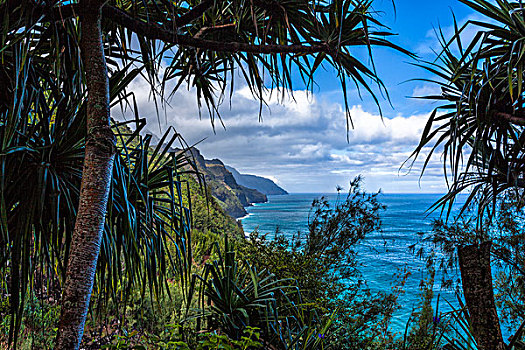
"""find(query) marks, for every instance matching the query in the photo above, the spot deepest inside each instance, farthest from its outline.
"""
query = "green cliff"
(231, 196)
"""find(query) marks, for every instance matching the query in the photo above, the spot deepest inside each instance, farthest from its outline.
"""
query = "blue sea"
(382, 255)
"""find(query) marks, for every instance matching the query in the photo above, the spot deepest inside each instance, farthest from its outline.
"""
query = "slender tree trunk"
(96, 179)
(476, 276)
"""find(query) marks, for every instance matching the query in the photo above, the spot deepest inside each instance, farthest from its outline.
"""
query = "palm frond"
(479, 126)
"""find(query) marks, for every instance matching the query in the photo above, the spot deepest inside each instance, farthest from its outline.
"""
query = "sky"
(302, 143)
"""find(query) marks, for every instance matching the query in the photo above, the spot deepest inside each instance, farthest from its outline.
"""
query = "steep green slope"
(210, 221)
(224, 188)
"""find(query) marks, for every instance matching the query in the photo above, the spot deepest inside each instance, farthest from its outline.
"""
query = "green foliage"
(505, 230)
(481, 116)
(249, 340)
(425, 317)
(43, 126)
(340, 25)
(210, 222)
(38, 330)
(238, 295)
(426, 328)
(40, 192)
(41, 152)
(170, 339)
(208, 214)
(323, 263)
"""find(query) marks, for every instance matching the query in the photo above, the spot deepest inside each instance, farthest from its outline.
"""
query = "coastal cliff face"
(232, 197)
(261, 184)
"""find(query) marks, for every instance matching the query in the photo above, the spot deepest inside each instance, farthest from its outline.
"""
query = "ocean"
(382, 255)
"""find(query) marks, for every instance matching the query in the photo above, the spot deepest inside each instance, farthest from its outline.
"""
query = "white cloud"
(426, 90)
(301, 143)
(371, 128)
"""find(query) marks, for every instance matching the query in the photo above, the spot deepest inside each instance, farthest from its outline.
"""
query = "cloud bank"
(301, 143)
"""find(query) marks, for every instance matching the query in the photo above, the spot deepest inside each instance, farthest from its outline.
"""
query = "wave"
(245, 216)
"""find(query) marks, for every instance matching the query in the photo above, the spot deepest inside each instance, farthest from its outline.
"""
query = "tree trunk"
(96, 180)
(476, 276)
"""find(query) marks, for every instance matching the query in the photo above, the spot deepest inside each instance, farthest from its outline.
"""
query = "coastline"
(243, 217)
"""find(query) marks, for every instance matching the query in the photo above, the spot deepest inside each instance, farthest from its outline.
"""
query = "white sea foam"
(245, 216)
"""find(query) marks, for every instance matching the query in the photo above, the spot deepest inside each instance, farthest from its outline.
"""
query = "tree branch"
(271, 6)
(204, 30)
(154, 31)
(512, 118)
(71, 10)
(194, 13)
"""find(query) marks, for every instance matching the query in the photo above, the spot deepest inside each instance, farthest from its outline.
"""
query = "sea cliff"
(222, 184)
(261, 184)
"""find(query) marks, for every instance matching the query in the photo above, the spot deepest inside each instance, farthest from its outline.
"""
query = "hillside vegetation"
(231, 196)
(109, 240)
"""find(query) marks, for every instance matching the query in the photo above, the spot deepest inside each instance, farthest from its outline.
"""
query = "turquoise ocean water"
(381, 255)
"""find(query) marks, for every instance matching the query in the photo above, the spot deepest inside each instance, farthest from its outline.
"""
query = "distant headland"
(234, 191)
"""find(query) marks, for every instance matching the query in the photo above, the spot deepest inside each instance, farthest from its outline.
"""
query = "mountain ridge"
(232, 197)
(260, 183)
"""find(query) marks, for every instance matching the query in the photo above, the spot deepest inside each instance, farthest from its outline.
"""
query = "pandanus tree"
(43, 130)
(479, 125)
(43, 139)
(205, 44)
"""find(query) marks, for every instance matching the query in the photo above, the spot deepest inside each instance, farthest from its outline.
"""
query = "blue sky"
(415, 23)
(302, 144)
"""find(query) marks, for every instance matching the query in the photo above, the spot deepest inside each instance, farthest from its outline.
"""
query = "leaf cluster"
(323, 263)
(479, 122)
